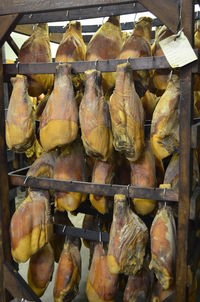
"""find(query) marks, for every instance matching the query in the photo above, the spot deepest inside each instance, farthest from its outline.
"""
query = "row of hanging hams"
(125, 254)
(59, 121)
(110, 110)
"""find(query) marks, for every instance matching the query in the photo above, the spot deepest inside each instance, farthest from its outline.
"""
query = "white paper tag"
(177, 50)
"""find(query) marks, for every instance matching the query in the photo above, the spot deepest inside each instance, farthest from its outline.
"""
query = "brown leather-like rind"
(37, 50)
(31, 226)
(20, 124)
(138, 45)
(127, 115)
(143, 174)
(163, 246)
(68, 273)
(165, 121)
(149, 101)
(106, 44)
(95, 119)
(101, 284)
(70, 165)
(43, 166)
(72, 47)
(160, 77)
(103, 173)
(40, 271)
(128, 239)
(138, 287)
(172, 171)
(59, 120)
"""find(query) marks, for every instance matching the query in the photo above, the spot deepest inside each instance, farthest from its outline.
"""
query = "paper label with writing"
(177, 50)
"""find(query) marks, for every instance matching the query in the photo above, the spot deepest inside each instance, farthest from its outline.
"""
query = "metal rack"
(23, 12)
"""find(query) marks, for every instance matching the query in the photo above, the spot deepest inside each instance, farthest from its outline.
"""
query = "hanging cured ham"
(69, 272)
(127, 115)
(101, 284)
(37, 50)
(139, 45)
(20, 124)
(160, 77)
(138, 287)
(163, 246)
(59, 120)
(70, 165)
(106, 44)
(72, 48)
(165, 121)
(103, 173)
(31, 226)
(95, 119)
(40, 271)
(149, 102)
(128, 238)
(143, 174)
(172, 171)
(43, 166)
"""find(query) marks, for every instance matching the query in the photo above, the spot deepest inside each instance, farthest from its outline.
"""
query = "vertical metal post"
(5, 254)
(185, 163)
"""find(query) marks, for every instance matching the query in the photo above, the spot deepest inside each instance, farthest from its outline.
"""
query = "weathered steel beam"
(83, 13)
(16, 285)
(27, 6)
(186, 161)
(8, 24)
(87, 187)
(166, 11)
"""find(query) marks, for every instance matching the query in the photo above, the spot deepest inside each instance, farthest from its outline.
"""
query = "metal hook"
(17, 67)
(100, 237)
(99, 228)
(165, 204)
(99, 8)
(30, 16)
(96, 62)
(128, 194)
(26, 178)
(128, 60)
(67, 14)
(64, 228)
(180, 17)
(170, 75)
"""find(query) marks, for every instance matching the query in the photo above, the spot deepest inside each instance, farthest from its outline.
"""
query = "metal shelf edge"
(88, 187)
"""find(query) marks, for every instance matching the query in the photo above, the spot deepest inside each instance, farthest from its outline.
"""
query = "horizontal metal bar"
(25, 6)
(94, 28)
(98, 189)
(83, 13)
(16, 285)
(81, 233)
(81, 66)
(146, 63)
